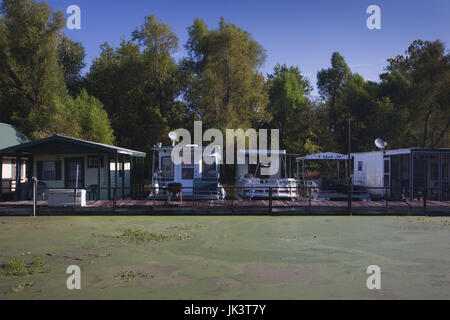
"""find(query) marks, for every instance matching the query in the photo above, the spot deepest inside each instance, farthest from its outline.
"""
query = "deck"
(230, 207)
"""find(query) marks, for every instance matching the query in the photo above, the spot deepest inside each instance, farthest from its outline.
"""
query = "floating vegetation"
(21, 287)
(130, 275)
(21, 268)
(185, 227)
(139, 235)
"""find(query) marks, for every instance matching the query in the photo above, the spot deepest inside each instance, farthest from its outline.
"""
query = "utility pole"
(349, 171)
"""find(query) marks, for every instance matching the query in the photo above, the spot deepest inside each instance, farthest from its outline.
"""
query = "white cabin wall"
(372, 174)
(91, 174)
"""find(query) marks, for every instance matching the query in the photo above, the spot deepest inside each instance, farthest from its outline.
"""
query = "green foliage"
(71, 57)
(130, 275)
(330, 83)
(21, 287)
(142, 236)
(21, 268)
(223, 84)
(92, 119)
(291, 110)
(140, 104)
(426, 67)
(39, 66)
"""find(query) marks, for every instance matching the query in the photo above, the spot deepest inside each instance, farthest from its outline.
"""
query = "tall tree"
(35, 58)
(29, 71)
(224, 87)
(71, 55)
(291, 109)
(138, 84)
(330, 83)
(427, 67)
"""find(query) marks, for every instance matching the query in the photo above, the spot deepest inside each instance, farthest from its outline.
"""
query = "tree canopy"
(136, 92)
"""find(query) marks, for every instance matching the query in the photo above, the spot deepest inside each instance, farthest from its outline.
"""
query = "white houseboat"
(252, 184)
(197, 179)
(404, 173)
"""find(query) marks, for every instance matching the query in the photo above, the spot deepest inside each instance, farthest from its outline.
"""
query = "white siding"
(91, 174)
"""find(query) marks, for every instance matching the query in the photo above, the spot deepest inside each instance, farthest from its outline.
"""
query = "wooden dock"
(230, 207)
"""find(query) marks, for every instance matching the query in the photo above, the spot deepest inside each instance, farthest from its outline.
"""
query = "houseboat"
(252, 184)
(199, 180)
(404, 173)
(330, 183)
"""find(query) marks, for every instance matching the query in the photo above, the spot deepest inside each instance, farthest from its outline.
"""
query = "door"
(387, 177)
(74, 173)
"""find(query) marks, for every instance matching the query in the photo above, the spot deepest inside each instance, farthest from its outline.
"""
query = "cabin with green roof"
(60, 162)
(11, 136)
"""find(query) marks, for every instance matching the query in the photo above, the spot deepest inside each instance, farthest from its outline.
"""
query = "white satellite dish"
(173, 136)
(381, 144)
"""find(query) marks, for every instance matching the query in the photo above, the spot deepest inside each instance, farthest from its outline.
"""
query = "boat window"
(209, 170)
(167, 167)
(360, 166)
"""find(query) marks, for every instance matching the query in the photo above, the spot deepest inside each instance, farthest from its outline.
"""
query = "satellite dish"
(381, 144)
(173, 136)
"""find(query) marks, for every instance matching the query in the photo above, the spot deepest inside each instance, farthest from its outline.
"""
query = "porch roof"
(324, 156)
(60, 144)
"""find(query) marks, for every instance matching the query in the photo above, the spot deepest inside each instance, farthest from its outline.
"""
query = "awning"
(324, 156)
(263, 152)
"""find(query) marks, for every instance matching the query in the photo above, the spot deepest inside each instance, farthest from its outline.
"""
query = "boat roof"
(263, 152)
(324, 156)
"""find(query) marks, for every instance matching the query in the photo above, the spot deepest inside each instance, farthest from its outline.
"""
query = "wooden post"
(108, 170)
(310, 198)
(116, 177)
(115, 198)
(349, 171)
(270, 201)
(123, 177)
(17, 191)
(34, 195)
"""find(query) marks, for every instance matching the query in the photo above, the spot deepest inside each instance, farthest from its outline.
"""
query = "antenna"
(381, 144)
(173, 136)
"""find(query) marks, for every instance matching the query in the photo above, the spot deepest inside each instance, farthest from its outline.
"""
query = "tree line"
(135, 93)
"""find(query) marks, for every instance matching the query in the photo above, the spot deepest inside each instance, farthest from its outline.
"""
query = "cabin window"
(360, 166)
(49, 170)
(93, 162)
(167, 167)
(209, 170)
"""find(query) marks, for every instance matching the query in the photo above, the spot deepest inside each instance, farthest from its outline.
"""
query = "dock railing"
(258, 199)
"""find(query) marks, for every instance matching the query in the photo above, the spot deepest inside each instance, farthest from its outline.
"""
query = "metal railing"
(258, 197)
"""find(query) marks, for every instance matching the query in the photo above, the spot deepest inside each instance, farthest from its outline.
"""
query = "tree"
(427, 67)
(38, 65)
(71, 57)
(290, 109)
(138, 84)
(92, 119)
(224, 87)
(30, 75)
(330, 83)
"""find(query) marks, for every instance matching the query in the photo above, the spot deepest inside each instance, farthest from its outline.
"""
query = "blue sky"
(302, 32)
